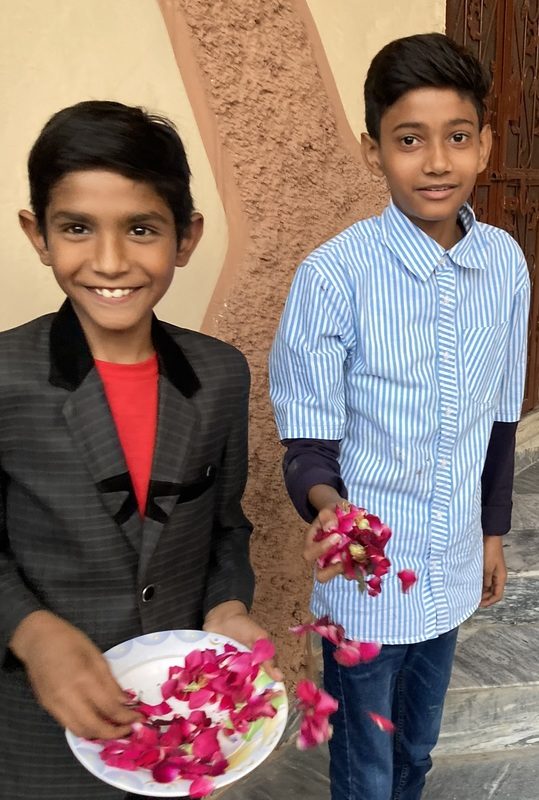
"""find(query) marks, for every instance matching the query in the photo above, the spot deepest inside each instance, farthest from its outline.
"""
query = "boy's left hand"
(232, 619)
(494, 571)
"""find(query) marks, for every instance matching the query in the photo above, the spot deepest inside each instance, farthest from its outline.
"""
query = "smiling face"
(111, 243)
(430, 151)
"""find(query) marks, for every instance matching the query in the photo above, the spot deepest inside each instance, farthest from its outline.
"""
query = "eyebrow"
(133, 219)
(451, 123)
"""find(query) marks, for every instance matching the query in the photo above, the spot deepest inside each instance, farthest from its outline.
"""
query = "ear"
(190, 239)
(485, 146)
(28, 223)
(370, 150)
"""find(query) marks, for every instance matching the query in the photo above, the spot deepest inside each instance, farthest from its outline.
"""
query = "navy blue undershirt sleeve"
(497, 479)
(307, 463)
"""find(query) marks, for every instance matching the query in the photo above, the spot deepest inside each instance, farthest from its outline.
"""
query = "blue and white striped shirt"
(407, 353)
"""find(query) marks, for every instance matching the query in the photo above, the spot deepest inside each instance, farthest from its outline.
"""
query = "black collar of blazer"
(71, 359)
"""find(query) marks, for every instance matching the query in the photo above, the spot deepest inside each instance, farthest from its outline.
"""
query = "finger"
(109, 699)
(328, 573)
(79, 716)
(498, 588)
(327, 519)
(314, 550)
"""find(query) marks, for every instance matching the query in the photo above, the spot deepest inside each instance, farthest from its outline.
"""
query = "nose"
(109, 256)
(437, 161)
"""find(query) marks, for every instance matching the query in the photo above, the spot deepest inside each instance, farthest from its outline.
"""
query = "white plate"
(142, 664)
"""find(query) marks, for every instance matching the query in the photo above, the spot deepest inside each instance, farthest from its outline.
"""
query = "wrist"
(27, 633)
(223, 611)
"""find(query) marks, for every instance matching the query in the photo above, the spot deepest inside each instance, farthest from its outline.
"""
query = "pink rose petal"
(383, 723)
(407, 578)
(201, 787)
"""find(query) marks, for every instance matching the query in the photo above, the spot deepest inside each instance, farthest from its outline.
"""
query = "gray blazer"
(71, 537)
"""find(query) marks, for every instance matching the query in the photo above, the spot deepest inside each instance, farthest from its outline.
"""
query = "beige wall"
(352, 32)
(54, 53)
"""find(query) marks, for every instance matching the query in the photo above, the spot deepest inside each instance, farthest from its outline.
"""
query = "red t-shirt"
(131, 391)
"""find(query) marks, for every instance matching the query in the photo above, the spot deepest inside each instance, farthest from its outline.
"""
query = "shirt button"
(443, 462)
(148, 593)
(445, 299)
(438, 515)
(445, 355)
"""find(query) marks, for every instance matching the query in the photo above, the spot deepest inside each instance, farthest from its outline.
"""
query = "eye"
(141, 231)
(76, 228)
(460, 137)
(409, 140)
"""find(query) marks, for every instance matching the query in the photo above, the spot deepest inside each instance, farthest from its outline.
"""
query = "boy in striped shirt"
(397, 376)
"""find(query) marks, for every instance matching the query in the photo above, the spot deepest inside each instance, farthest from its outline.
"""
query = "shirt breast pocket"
(484, 361)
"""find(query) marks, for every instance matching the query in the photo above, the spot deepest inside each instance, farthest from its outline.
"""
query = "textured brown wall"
(289, 174)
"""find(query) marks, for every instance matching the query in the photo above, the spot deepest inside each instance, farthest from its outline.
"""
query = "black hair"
(102, 134)
(416, 62)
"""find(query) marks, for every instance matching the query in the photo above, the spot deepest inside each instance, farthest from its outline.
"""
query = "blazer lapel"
(90, 422)
(177, 424)
(92, 428)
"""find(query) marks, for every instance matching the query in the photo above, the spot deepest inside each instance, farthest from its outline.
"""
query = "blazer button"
(148, 592)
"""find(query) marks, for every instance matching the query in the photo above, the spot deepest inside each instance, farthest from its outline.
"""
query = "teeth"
(113, 292)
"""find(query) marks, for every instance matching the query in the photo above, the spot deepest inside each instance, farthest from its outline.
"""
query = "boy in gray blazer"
(123, 448)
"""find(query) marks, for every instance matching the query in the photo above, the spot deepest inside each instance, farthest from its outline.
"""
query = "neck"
(445, 232)
(122, 346)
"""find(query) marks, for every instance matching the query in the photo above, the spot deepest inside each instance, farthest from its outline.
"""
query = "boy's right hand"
(71, 678)
(312, 550)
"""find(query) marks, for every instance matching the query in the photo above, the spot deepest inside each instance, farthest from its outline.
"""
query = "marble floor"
(489, 747)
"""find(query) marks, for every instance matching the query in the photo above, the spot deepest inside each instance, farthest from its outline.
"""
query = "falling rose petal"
(201, 787)
(315, 706)
(349, 652)
(407, 578)
(383, 723)
(323, 627)
(374, 586)
(263, 650)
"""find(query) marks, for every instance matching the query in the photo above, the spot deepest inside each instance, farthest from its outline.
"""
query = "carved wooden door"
(504, 35)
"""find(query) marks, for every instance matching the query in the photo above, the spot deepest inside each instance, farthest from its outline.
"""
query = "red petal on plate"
(200, 698)
(120, 761)
(205, 745)
(165, 772)
(158, 710)
(383, 723)
(201, 787)
(168, 688)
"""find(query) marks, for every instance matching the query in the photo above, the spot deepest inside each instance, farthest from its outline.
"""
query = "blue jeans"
(407, 684)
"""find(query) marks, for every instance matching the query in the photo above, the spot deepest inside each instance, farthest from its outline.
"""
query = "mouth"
(442, 187)
(437, 192)
(112, 294)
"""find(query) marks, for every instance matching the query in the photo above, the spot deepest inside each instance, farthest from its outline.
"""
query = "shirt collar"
(420, 254)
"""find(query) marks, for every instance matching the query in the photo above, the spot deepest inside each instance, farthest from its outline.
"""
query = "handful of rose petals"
(188, 745)
(361, 549)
